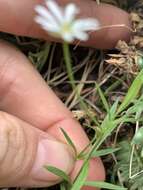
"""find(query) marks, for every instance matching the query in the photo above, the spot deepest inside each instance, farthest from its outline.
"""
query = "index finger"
(17, 17)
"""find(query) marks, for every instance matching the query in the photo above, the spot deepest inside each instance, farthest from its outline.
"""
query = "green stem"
(68, 63)
(88, 156)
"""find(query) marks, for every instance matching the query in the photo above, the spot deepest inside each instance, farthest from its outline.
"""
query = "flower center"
(66, 28)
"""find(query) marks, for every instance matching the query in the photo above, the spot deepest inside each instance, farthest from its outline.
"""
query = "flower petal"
(67, 37)
(70, 12)
(49, 27)
(80, 35)
(55, 9)
(88, 24)
(43, 12)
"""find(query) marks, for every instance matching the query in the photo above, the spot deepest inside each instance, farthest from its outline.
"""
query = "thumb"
(24, 152)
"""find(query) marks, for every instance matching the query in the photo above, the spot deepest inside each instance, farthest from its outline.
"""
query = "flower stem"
(68, 63)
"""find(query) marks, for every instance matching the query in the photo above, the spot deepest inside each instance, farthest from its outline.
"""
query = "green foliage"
(80, 180)
(104, 152)
(103, 99)
(39, 58)
(113, 118)
(123, 165)
(138, 137)
(140, 62)
(132, 92)
(62, 186)
(59, 173)
(69, 141)
(100, 184)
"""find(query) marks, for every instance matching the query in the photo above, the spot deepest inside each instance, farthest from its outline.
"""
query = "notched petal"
(71, 11)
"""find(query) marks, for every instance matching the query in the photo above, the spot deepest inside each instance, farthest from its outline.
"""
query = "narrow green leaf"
(58, 172)
(62, 186)
(107, 130)
(108, 121)
(132, 92)
(80, 180)
(68, 139)
(104, 101)
(108, 124)
(137, 107)
(138, 137)
(104, 152)
(105, 185)
(41, 56)
(113, 110)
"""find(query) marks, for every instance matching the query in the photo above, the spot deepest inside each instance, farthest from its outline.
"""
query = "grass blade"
(80, 181)
(58, 172)
(68, 139)
(62, 186)
(132, 92)
(100, 184)
(104, 101)
(104, 152)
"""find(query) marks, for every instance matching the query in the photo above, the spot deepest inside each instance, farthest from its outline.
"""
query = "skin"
(31, 115)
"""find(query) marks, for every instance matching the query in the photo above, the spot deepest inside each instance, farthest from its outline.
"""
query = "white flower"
(62, 23)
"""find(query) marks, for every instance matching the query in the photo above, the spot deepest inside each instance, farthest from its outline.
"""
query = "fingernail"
(51, 153)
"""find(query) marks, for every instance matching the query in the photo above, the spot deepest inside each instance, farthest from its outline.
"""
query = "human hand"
(32, 115)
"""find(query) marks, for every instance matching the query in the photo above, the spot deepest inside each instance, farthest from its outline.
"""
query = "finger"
(14, 20)
(25, 151)
(24, 94)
